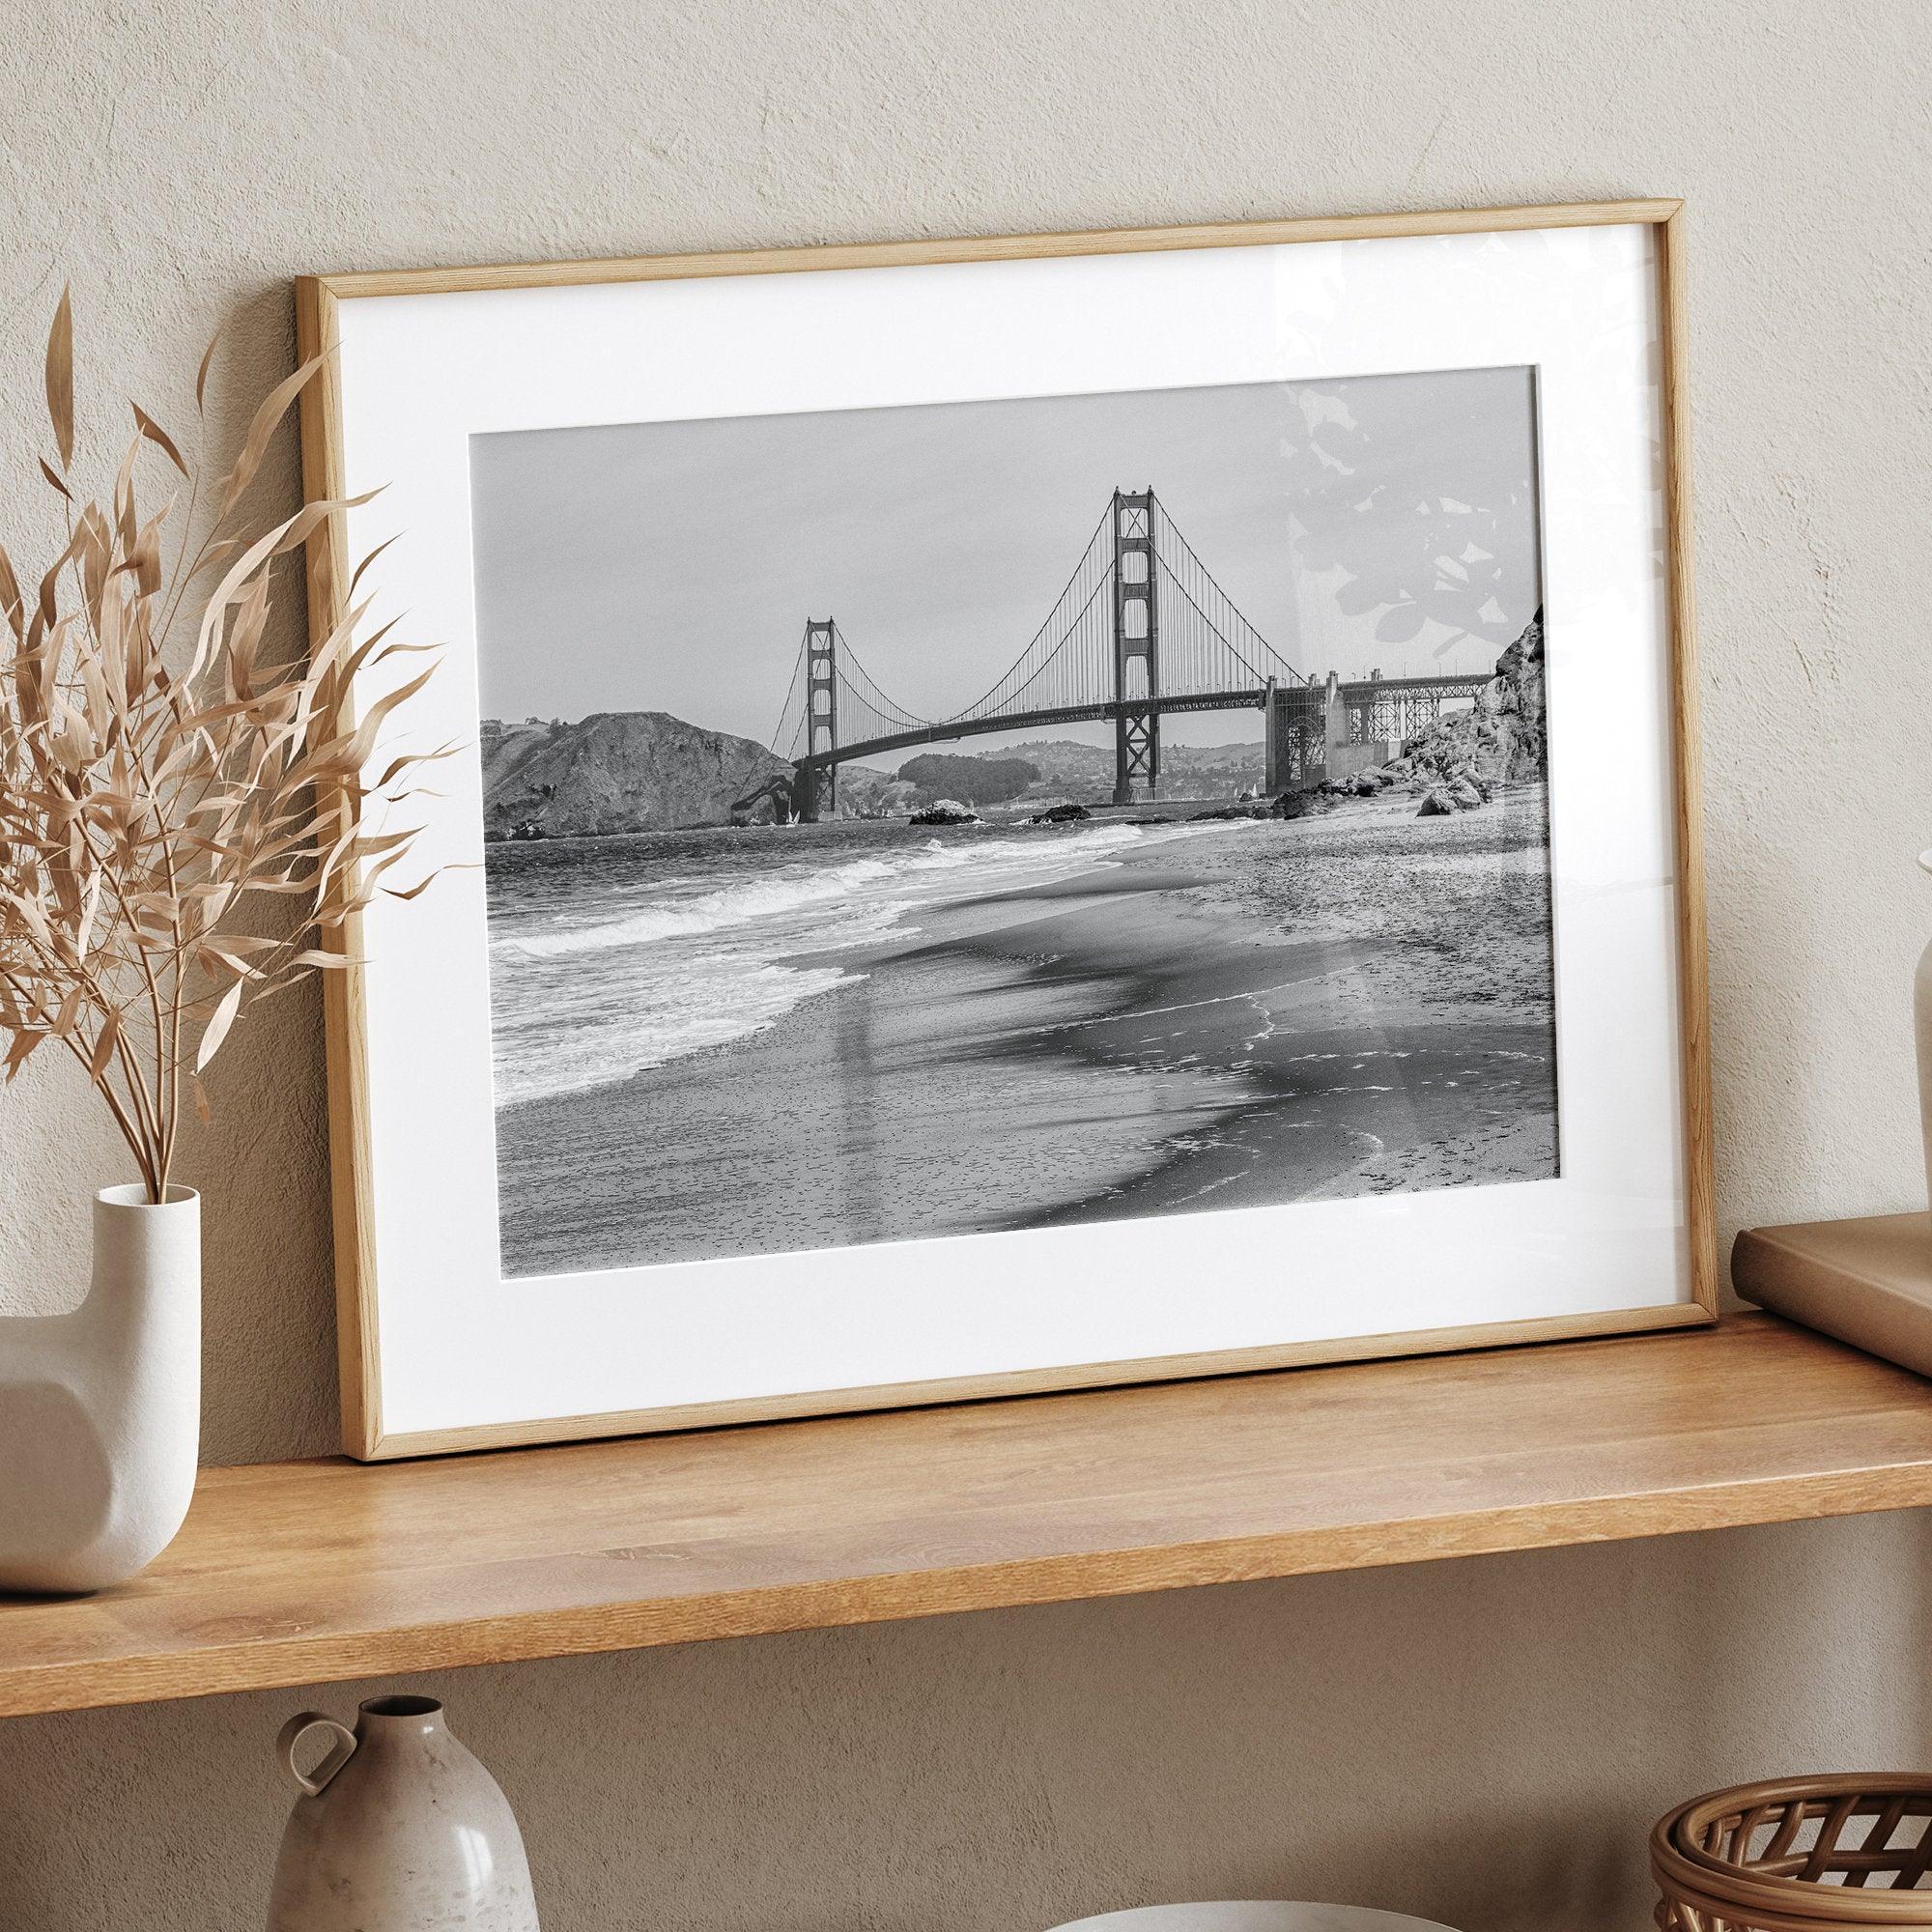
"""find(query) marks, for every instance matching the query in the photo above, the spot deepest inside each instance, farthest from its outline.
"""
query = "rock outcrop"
(1458, 762)
(1501, 736)
(615, 771)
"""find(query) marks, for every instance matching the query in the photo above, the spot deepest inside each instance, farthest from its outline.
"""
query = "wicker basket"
(1799, 1855)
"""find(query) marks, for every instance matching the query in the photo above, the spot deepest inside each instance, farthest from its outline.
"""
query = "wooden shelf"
(301, 1572)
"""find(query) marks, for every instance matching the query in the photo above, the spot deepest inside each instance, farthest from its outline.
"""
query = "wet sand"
(1342, 1004)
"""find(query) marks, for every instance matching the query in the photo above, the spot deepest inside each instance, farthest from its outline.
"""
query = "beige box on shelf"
(1869, 1282)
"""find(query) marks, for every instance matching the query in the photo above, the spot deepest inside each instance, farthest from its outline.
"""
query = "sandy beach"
(1226, 1014)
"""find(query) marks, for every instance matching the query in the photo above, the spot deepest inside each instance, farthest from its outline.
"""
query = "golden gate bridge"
(1141, 630)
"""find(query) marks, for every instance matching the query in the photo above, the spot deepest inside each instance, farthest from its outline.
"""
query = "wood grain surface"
(924, 251)
(296, 1572)
(1700, 1186)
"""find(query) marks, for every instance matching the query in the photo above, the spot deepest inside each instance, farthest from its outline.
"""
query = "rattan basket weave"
(1799, 1855)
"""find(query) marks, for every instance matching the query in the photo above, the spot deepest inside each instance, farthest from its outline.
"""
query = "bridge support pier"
(1304, 723)
(813, 794)
(1136, 756)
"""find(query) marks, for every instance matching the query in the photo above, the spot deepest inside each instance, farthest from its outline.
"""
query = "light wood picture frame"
(404, 1278)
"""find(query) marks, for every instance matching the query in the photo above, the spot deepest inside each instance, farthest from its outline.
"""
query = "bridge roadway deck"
(1250, 699)
(1022, 721)
(1465, 684)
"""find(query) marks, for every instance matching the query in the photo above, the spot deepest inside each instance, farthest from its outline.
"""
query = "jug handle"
(339, 1752)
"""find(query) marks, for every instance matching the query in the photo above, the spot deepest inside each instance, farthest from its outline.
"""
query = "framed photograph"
(1029, 813)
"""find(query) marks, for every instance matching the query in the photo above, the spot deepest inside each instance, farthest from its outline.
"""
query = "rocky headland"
(1501, 736)
(1460, 760)
(615, 771)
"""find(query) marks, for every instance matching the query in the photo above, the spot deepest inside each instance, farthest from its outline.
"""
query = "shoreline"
(1269, 1011)
(994, 819)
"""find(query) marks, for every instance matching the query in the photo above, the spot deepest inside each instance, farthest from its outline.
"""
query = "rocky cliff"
(615, 771)
(1500, 736)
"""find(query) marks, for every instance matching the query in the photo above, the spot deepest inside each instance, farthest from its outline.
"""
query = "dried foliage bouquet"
(146, 814)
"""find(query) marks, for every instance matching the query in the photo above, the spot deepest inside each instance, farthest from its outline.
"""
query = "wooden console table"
(294, 1573)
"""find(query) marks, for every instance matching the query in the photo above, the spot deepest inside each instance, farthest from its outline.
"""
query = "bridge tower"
(817, 794)
(1136, 649)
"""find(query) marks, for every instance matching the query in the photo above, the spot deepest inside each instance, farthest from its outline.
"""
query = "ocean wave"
(748, 901)
(691, 970)
(574, 1051)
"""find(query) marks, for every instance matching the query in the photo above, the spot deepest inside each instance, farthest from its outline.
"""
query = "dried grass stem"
(145, 813)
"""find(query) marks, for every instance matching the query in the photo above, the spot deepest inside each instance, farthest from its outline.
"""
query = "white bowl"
(1252, 1915)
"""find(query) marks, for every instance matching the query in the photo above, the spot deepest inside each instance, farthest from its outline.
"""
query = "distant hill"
(648, 771)
(614, 771)
(866, 792)
(975, 780)
(1088, 770)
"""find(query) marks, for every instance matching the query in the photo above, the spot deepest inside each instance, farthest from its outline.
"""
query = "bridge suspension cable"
(1206, 648)
(789, 744)
(871, 713)
(862, 710)
(1204, 603)
(1070, 654)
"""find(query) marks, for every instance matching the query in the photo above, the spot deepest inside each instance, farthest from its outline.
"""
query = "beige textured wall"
(1479, 1742)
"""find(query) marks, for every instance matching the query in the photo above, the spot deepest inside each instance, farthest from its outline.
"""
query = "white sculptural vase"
(101, 1408)
(1922, 1016)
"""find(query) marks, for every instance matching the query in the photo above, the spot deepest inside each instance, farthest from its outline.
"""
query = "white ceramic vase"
(399, 1829)
(101, 1408)
(1922, 1016)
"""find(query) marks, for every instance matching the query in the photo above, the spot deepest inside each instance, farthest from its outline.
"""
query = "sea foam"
(689, 966)
(751, 900)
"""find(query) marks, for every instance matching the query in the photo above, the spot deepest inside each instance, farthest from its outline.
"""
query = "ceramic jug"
(398, 1829)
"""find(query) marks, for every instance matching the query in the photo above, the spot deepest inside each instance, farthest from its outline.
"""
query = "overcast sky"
(671, 566)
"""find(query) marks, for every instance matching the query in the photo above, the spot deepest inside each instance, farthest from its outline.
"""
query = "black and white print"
(1008, 815)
